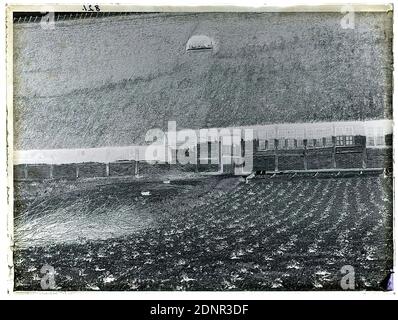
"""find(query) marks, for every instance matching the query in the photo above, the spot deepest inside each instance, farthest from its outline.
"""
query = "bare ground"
(208, 233)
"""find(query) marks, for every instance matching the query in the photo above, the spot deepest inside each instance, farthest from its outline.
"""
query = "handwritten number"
(90, 8)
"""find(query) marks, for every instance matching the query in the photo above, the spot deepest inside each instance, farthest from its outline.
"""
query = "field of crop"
(208, 233)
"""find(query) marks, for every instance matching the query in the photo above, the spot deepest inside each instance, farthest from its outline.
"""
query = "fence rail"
(68, 16)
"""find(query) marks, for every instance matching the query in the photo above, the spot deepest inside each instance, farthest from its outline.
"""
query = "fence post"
(364, 154)
(25, 171)
(305, 155)
(220, 167)
(276, 142)
(136, 171)
(334, 152)
(77, 171)
(136, 162)
(197, 155)
(107, 169)
(51, 171)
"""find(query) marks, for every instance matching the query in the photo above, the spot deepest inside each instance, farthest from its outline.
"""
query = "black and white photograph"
(200, 149)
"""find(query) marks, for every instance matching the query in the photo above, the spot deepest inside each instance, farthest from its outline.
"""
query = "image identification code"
(200, 309)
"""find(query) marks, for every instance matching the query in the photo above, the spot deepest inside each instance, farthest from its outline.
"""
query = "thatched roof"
(105, 82)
